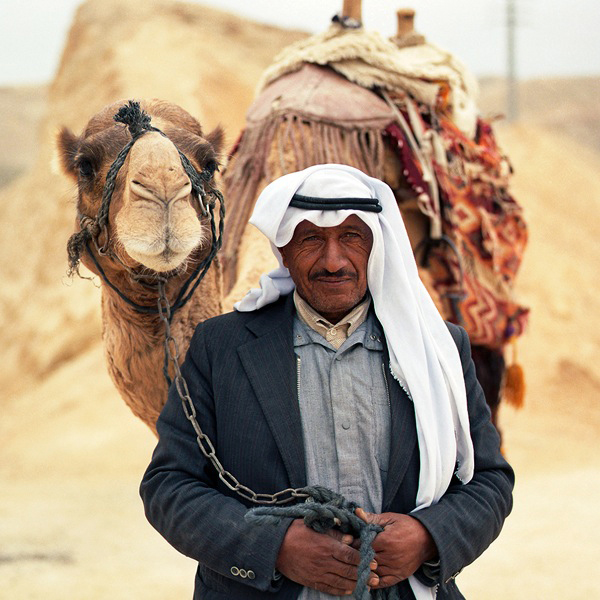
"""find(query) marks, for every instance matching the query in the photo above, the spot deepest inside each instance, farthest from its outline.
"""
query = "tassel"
(514, 382)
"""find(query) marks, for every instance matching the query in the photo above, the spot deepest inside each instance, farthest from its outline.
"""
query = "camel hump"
(321, 94)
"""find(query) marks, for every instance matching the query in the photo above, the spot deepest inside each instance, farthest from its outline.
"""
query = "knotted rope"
(324, 510)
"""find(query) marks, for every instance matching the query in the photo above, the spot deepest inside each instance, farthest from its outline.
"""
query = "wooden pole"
(406, 21)
(352, 9)
(406, 34)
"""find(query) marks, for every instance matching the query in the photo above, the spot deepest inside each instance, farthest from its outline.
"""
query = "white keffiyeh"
(422, 351)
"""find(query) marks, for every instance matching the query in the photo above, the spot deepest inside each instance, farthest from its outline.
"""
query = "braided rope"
(138, 123)
(324, 510)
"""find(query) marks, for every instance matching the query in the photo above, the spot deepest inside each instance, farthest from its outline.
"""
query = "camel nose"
(166, 193)
(155, 170)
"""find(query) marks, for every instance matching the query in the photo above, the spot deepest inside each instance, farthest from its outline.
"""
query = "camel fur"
(154, 228)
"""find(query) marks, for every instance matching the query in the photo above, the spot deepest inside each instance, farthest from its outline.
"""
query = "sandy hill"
(566, 105)
(21, 111)
(72, 454)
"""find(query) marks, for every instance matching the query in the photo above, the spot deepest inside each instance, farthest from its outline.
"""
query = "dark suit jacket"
(241, 373)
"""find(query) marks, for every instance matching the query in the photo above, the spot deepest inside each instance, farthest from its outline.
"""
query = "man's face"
(329, 265)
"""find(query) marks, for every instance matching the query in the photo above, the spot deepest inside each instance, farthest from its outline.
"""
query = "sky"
(554, 37)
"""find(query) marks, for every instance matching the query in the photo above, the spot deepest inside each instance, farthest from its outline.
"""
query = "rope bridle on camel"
(93, 228)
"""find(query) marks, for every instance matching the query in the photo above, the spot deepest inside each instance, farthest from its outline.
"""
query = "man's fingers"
(344, 573)
(340, 583)
(345, 538)
(362, 514)
(372, 518)
(327, 589)
(387, 581)
(384, 571)
(368, 517)
(346, 554)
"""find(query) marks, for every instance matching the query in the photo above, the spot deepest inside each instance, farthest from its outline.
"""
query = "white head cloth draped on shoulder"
(422, 351)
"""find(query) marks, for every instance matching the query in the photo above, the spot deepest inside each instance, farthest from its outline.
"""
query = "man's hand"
(401, 548)
(324, 562)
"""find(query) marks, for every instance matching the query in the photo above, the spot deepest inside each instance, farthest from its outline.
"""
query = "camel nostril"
(143, 191)
(183, 192)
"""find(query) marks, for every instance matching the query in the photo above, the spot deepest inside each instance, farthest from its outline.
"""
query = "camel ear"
(67, 144)
(207, 150)
(216, 138)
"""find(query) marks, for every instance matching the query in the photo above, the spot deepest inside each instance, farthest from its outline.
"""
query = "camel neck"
(142, 301)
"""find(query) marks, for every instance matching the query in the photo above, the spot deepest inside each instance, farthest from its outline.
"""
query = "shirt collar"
(336, 333)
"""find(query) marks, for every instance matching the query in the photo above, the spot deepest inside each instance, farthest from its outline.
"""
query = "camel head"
(152, 220)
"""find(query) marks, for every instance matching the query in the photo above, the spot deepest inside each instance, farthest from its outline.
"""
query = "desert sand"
(72, 455)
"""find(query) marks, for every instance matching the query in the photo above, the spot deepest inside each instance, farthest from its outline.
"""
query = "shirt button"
(345, 425)
(333, 331)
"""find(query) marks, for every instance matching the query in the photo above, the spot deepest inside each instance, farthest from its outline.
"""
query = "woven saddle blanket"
(312, 114)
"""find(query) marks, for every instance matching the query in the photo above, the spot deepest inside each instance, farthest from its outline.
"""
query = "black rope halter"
(138, 123)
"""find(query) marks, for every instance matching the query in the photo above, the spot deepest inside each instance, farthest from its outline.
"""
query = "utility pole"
(512, 84)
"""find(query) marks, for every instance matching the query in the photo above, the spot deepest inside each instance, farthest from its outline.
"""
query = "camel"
(403, 111)
(153, 230)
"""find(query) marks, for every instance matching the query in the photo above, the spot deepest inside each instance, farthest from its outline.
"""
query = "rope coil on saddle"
(139, 123)
(324, 510)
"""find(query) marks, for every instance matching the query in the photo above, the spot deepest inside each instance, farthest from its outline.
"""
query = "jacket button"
(234, 571)
(251, 574)
(243, 573)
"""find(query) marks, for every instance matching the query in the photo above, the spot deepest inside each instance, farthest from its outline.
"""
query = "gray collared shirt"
(345, 411)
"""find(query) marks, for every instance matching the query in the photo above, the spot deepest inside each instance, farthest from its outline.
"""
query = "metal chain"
(206, 446)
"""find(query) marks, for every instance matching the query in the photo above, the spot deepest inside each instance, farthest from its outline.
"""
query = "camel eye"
(86, 169)
(211, 166)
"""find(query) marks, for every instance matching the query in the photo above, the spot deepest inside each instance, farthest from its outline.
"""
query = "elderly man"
(337, 372)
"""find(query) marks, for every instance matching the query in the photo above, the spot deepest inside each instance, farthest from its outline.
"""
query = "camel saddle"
(321, 94)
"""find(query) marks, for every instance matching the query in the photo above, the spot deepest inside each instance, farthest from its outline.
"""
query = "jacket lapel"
(270, 365)
(404, 439)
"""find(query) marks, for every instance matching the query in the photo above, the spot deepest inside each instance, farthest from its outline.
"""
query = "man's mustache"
(324, 274)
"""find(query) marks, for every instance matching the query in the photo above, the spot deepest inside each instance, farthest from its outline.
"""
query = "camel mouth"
(159, 238)
(163, 262)
(165, 253)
